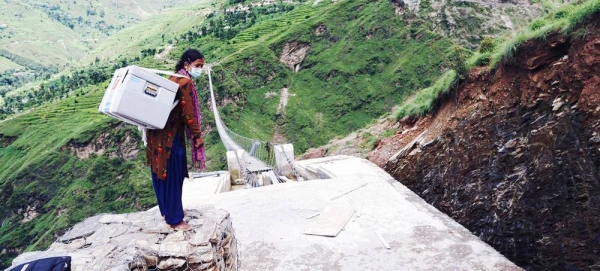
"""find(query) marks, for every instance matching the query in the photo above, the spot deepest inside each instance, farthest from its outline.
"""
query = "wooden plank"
(385, 244)
(331, 220)
(336, 197)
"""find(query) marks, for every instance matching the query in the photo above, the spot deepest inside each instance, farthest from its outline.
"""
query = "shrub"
(457, 57)
(487, 44)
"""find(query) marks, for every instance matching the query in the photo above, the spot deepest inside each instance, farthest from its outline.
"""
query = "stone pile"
(143, 241)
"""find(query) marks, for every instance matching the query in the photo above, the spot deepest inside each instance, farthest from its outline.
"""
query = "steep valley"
(479, 156)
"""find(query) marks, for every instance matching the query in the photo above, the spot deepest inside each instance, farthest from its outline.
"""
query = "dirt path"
(164, 53)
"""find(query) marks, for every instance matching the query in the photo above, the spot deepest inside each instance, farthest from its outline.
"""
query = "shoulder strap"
(164, 72)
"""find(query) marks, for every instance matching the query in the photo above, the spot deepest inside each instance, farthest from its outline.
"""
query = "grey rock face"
(143, 241)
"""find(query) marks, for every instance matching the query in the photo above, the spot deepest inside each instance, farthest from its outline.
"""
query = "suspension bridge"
(254, 161)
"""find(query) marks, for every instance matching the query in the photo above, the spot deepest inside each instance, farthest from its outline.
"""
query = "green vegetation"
(52, 89)
(38, 169)
(565, 20)
(468, 22)
(341, 86)
(6, 64)
(154, 33)
(363, 59)
(424, 100)
(71, 28)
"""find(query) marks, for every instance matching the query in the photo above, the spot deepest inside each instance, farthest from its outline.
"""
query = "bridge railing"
(261, 150)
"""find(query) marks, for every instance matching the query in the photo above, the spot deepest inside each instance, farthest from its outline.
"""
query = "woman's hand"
(198, 142)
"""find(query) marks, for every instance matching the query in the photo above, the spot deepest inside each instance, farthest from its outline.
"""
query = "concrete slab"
(269, 224)
(331, 220)
(207, 185)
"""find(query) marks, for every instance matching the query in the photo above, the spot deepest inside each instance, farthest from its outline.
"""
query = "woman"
(165, 152)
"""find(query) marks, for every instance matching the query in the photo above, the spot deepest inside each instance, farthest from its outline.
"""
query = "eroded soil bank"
(514, 154)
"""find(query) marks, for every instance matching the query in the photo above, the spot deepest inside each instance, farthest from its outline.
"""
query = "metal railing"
(262, 151)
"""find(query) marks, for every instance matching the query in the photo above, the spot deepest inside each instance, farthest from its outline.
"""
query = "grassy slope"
(364, 64)
(6, 64)
(23, 36)
(37, 171)
(148, 34)
(42, 36)
(130, 41)
(564, 19)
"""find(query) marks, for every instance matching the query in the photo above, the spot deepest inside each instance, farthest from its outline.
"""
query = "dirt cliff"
(514, 154)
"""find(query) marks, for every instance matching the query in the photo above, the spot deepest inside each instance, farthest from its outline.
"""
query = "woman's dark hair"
(188, 56)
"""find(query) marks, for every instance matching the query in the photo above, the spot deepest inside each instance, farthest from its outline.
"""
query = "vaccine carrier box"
(139, 97)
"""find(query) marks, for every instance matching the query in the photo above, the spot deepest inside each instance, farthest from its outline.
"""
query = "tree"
(457, 56)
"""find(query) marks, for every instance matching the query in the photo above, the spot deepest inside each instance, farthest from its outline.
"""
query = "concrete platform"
(270, 222)
(215, 183)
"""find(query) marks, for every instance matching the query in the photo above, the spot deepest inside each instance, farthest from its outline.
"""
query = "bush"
(487, 44)
(457, 57)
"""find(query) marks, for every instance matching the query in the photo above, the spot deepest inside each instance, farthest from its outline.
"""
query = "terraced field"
(46, 129)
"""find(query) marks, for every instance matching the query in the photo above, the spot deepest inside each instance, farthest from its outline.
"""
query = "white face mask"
(196, 72)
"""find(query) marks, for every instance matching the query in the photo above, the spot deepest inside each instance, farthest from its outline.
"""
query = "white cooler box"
(139, 97)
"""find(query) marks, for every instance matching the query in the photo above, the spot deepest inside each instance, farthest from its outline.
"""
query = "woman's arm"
(187, 110)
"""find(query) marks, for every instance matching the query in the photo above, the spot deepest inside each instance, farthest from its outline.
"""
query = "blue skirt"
(168, 192)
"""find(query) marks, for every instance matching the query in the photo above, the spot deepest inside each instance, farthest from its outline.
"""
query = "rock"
(83, 229)
(511, 143)
(136, 239)
(122, 242)
(530, 200)
(557, 104)
(151, 260)
(202, 255)
(69, 246)
(293, 54)
(103, 251)
(170, 263)
(415, 151)
(409, 120)
(201, 237)
(320, 29)
(197, 223)
(216, 215)
(314, 153)
(174, 249)
(106, 232)
(122, 259)
(112, 218)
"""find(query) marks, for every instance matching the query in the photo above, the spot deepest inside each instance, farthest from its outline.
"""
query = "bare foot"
(182, 226)
(184, 215)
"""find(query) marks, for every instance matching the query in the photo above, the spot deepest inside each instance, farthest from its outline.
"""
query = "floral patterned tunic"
(160, 142)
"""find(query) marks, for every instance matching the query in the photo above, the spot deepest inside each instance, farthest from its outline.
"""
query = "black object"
(47, 264)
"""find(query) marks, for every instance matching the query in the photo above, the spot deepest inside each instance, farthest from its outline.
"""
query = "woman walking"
(166, 151)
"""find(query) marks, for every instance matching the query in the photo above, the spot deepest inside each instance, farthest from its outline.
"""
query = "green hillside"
(65, 31)
(155, 32)
(61, 161)
(38, 39)
(365, 62)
